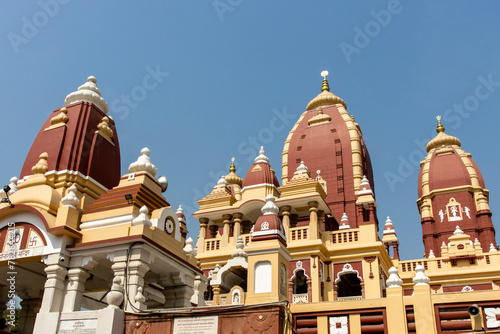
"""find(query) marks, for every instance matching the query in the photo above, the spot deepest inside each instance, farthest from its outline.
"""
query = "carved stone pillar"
(361, 216)
(313, 220)
(216, 291)
(201, 237)
(395, 249)
(135, 283)
(321, 220)
(285, 211)
(227, 228)
(371, 209)
(75, 290)
(237, 226)
(77, 275)
(213, 230)
(54, 288)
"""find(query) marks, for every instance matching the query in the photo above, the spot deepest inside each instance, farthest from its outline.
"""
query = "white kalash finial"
(431, 253)
(394, 280)
(493, 248)
(71, 199)
(143, 163)
(180, 210)
(239, 252)
(189, 249)
(344, 222)
(13, 185)
(143, 218)
(458, 230)
(420, 276)
(262, 156)
(302, 167)
(88, 92)
(222, 181)
(364, 181)
(270, 208)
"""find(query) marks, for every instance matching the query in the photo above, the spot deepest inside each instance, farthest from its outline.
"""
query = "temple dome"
(79, 139)
(329, 140)
(448, 165)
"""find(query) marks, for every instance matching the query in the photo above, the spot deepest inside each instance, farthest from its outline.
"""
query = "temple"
(94, 251)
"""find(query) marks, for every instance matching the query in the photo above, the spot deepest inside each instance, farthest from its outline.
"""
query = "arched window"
(349, 285)
(300, 282)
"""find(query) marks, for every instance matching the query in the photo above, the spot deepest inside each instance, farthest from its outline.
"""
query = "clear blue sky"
(233, 65)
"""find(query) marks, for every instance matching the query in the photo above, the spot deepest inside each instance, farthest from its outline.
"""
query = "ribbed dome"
(443, 139)
(325, 98)
(232, 178)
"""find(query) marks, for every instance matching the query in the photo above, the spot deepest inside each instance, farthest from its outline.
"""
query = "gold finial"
(232, 169)
(440, 127)
(325, 86)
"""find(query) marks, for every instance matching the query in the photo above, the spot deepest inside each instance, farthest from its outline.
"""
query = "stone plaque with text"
(196, 325)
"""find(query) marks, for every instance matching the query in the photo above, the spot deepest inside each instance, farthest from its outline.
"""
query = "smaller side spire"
(388, 227)
(344, 222)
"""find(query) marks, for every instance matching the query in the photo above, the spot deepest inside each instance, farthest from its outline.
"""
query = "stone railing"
(212, 244)
(349, 298)
(345, 236)
(298, 233)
